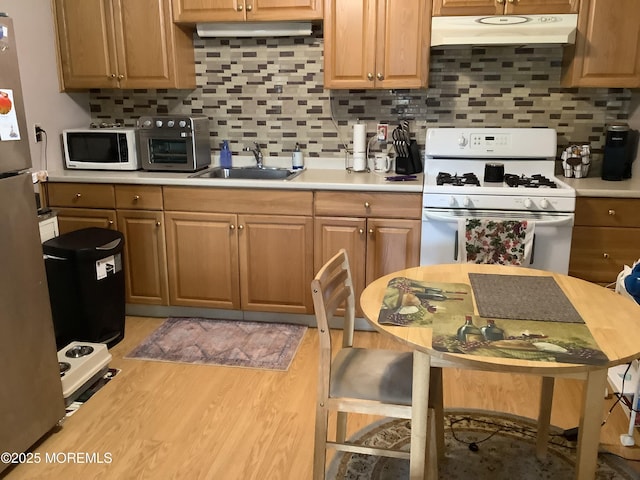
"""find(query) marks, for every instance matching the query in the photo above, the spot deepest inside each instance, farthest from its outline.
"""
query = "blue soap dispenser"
(225, 155)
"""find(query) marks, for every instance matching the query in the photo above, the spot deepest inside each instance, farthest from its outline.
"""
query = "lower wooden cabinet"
(70, 219)
(606, 236)
(82, 205)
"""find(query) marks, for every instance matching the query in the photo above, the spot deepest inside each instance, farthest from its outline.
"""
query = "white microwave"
(114, 148)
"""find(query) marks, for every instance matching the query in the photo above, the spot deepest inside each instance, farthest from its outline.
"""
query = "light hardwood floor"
(163, 420)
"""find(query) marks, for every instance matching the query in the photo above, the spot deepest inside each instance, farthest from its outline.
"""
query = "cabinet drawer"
(87, 195)
(598, 254)
(607, 212)
(364, 204)
(139, 197)
(237, 200)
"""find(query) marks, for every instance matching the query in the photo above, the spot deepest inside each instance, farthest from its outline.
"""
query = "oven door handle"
(561, 221)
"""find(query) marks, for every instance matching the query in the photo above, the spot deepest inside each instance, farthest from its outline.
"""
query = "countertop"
(319, 174)
(596, 187)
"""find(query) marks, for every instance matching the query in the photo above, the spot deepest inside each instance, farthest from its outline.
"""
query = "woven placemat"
(522, 298)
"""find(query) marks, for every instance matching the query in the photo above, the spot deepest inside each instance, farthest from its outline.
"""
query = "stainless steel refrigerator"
(31, 401)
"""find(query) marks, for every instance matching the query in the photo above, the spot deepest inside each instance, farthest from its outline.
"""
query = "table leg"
(419, 416)
(590, 424)
(544, 417)
(436, 395)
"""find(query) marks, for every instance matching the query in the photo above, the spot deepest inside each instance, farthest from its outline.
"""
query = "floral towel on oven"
(487, 240)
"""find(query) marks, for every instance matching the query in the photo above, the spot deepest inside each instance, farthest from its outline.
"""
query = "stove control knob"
(544, 203)
(466, 202)
(452, 201)
(170, 123)
(528, 203)
(158, 123)
(462, 141)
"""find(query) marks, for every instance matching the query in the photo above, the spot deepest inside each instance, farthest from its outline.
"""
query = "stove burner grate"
(534, 181)
(466, 179)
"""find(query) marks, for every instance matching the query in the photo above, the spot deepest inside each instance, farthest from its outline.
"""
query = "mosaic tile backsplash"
(270, 90)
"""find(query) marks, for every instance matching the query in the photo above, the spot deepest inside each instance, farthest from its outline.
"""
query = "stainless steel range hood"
(504, 30)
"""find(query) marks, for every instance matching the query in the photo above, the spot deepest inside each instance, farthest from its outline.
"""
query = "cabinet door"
(70, 219)
(334, 233)
(194, 11)
(202, 259)
(284, 9)
(276, 263)
(532, 7)
(467, 7)
(145, 44)
(144, 255)
(349, 43)
(607, 48)
(598, 254)
(402, 44)
(392, 245)
(85, 43)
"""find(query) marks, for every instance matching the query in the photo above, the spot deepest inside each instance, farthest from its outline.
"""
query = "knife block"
(411, 164)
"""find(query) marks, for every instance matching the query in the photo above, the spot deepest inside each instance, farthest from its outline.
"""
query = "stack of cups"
(359, 147)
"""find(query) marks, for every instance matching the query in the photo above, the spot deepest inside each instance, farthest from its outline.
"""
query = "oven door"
(551, 243)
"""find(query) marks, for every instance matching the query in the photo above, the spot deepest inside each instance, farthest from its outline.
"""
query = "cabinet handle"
(239, 8)
(512, 1)
(113, 75)
(500, 2)
(367, 204)
(240, 227)
(78, 195)
(110, 222)
(136, 198)
(360, 231)
(158, 224)
(249, 8)
(380, 76)
(612, 212)
(232, 227)
(120, 77)
(371, 231)
(606, 255)
(370, 76)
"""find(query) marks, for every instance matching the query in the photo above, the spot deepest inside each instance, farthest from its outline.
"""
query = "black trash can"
(86, 286)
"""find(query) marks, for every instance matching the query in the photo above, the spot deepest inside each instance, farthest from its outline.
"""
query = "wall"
(271, 91)
(44, 103)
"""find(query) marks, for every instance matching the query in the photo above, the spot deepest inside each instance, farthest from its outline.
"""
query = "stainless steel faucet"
(256, 153)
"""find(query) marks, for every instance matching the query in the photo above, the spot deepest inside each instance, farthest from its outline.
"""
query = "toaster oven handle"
(110, 245)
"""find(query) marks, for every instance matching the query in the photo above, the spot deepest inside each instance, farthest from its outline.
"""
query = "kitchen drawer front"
(238, 200)
(598, 254)
(365, 204)
(139, 197)
(86, 195)
(607, 212)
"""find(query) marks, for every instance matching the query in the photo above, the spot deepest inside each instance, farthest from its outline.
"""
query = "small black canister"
(494, 172)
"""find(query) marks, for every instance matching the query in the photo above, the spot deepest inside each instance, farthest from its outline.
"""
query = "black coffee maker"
(619, 152)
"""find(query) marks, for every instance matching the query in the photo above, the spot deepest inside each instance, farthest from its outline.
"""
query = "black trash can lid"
(89, 242)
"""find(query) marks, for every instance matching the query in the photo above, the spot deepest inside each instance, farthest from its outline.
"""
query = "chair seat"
(370, 374)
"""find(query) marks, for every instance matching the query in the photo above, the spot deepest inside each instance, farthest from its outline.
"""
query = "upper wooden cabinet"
(122, 44)
(376, 44)
(503, 7)
(194, 11)
(607, 48)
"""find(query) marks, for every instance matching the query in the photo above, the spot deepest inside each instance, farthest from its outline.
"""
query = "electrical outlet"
(38, 132)
(383, 130)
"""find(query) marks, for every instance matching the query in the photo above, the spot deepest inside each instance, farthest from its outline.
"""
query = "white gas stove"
(502, 173)
(81, 364)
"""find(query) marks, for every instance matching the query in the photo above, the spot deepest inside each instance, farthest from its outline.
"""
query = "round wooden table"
(614, 323)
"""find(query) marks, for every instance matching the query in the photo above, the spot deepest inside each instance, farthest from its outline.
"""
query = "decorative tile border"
(270, 90)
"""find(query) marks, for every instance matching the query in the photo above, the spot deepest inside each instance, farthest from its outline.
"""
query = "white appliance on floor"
(81, 365)
(500, 173)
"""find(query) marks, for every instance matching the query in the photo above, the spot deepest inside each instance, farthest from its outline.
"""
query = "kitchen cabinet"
(82, 205)
(379, 231)
(606, 235)
(122, 44)
(240, 248)
(376, 43)
(141, 221)
(195, 11)
(607, 49)
(503, 7)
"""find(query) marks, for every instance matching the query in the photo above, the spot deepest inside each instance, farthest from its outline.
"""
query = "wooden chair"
(358, 380)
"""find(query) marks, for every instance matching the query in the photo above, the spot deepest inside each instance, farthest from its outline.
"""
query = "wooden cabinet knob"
(606, 255)
(240, 227)
(371, 231)
(500, 1)
(360, 231)
(380, 76)
(136, 198)
(249, 8)
(110, 222)
(612, 212)
(113, 75)
(370, 76)
(239, 8)
(232, 227)
(367, 204)
(78, 195)
(158, 224)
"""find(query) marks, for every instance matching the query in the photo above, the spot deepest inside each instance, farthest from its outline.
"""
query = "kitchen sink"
(248, 173)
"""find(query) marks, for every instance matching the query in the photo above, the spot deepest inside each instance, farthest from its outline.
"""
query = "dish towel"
(487, 240)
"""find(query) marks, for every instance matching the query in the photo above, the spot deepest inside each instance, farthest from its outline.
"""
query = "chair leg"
(433, 454)
(341, 427)
(320, 445)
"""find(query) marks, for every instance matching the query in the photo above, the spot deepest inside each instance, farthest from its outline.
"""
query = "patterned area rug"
(506, 451)
(234, 343)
